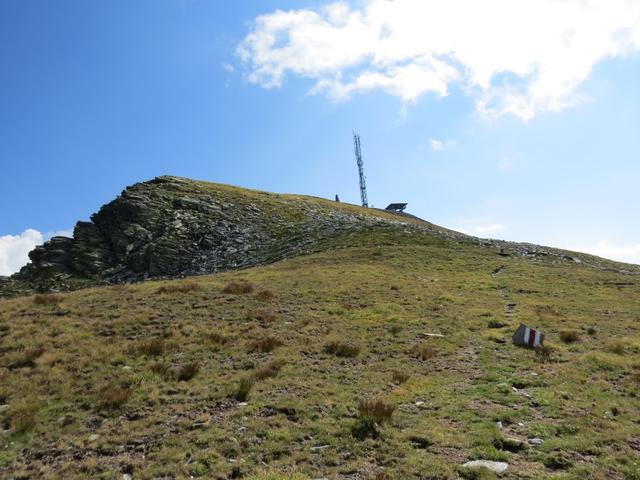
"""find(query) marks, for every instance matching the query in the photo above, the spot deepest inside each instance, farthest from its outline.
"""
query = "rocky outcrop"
(174, 227)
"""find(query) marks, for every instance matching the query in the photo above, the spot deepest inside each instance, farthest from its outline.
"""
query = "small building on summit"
(528, 337)
(396, 207)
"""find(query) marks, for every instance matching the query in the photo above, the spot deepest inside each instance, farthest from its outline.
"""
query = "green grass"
(110, 362)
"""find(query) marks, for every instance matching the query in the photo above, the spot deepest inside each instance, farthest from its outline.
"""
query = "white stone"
(127, 476)
(498, 467)
(535, 441)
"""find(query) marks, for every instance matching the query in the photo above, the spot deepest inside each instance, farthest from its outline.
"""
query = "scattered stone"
(419, 403)
(3, 407)
(498, 467)
(93, 437)
(127, 476)
(318, 448)
(242, 404)
(535, 441)
(499, 424)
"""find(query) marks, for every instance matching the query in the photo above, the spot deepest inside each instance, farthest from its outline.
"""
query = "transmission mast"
(363, 185)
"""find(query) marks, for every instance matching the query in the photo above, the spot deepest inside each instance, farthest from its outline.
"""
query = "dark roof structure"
(396, 207)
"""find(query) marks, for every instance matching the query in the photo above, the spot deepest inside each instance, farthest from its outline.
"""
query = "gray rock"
(498, 467)
(535, 441)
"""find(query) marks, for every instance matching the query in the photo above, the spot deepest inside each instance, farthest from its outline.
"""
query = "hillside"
(318, 340)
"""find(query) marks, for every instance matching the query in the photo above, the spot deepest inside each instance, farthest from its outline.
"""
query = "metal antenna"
(363, 185)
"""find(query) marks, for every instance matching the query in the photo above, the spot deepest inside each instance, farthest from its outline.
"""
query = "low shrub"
(187, 371)
(570, 336)
(245, 385)
(179, 288)
(341, 349)
(265, 344)
(238, 288)
(268, 370)
(47, 299)
(423, 352)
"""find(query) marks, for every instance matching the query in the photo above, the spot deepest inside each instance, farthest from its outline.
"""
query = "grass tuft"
(179, 288)
(423, 352)
(245, 385)
(238, 288)
(496, 324)
(47, 299)
(570, 336)
(400, 377)
(187, 371)
(28, 357)
(341, 349)
(265, 295)
(218, 338)
(376, 409)
(268, 370)
(151, 348)
(114, 397)
(24, 416)
(372, 413)
(265, 344)
(262, 315)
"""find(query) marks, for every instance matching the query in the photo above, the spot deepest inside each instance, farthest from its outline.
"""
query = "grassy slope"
(60, 363)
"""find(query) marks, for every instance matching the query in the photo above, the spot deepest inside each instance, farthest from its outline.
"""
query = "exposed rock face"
(172, 227)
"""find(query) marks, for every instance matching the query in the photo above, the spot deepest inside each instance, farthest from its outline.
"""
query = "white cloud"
(518, 58)
(14, 249)
(227, 67)
(436, 145)
(604, 248)
(474, 228)
(489, 229)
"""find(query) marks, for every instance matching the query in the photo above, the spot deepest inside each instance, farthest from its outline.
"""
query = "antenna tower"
(363, 185)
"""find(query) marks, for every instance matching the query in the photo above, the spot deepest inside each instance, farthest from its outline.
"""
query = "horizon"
(487, 126)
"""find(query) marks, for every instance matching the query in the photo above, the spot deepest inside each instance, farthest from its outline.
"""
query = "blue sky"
(485, 125)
